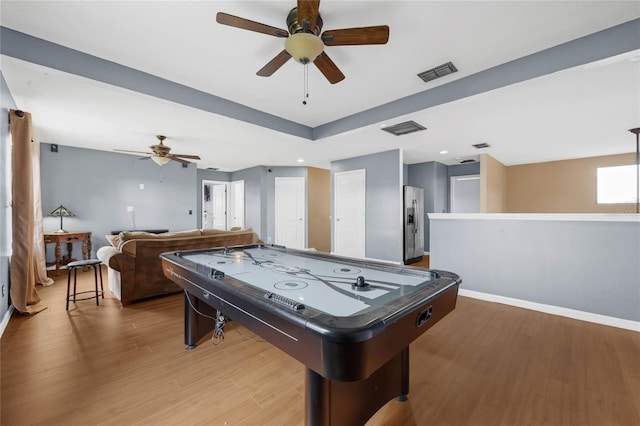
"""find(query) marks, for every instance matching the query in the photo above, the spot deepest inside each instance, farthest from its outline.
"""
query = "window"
(617, 185)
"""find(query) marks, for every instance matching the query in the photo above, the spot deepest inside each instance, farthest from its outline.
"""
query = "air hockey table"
(349, 321)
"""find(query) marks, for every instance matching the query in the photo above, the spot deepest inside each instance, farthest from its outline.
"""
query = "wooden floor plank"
(484, 364)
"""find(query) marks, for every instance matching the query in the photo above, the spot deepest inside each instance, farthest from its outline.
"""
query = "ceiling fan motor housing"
(297, 27)
(304, 44)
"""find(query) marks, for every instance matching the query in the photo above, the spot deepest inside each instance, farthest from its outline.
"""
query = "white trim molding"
(554, 310)
(5, 320)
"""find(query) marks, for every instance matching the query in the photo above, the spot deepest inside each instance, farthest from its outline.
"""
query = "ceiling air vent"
(404, 128)
(468, 160)
(437, 72)
(481, 145)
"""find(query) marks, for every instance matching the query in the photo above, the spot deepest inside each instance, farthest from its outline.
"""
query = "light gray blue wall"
(383, 197)
(464, 169)
(432, 177)
(435, 177)
(440, 188)
(271, 195)
(97, 186)
(6, 103)
(589, 266)
(255, 202)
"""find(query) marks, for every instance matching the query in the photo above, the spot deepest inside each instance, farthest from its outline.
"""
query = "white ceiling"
(578, 112)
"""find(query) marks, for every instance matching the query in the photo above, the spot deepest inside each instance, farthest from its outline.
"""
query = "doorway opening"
(222, 204)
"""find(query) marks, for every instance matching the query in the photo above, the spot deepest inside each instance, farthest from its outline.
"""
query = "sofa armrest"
(106, 253)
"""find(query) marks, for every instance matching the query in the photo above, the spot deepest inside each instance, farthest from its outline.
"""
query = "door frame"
(229, 208)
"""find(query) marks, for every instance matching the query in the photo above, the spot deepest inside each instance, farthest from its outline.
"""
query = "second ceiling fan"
(305, 42)
(161, 153)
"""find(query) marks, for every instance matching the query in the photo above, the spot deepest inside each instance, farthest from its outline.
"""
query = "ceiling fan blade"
(245, 24)
(134, 152)
(193, 157)
(180, 160)
(274, 64)
(356, 36)
(308, 11)
(328, 68)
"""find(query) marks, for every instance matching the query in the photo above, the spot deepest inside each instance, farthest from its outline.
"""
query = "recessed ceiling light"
(300, 160)
(444, 152)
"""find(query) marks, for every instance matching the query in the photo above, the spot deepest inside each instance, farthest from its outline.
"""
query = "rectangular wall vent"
(481, 145)
(437, 72)
(404, 128)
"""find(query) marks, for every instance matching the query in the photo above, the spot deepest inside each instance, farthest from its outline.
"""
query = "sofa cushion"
(114, 240)
(180, 234)
(128, 239)
(137, 235)
(206, 232)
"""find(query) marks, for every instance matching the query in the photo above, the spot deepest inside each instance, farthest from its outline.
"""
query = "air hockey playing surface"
(324, 284)
(333, 291)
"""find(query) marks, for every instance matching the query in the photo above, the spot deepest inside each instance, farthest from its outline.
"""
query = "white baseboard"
(5, 320)
(555, 310)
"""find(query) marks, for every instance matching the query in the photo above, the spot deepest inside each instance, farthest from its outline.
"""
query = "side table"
(69, 238)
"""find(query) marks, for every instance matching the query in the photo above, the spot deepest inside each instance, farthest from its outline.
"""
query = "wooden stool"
(95, 263)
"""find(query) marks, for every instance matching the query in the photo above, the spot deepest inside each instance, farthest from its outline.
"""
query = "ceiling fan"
(161, 153)
(304, 42)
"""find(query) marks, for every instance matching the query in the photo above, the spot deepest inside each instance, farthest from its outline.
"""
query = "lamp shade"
(304, 47)
(61, 211)
(160, 160)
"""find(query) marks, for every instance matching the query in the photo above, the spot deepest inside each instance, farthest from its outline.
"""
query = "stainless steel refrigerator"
(413, 212)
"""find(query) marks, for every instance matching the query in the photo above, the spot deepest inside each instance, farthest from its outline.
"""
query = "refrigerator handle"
(416, 216)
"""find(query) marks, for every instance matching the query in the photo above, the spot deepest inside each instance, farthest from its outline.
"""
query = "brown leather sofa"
(135, 272)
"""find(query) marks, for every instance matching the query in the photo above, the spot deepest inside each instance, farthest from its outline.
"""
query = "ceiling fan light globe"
(159, 160)
(304, 47)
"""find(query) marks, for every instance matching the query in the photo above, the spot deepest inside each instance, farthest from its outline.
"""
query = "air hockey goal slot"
(285, 301)
(209, 271)
(424, 316)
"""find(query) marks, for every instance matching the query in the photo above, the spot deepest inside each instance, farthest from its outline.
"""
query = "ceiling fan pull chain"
(306, 84)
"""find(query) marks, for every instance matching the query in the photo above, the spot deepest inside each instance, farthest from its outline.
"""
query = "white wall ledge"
(587, 217)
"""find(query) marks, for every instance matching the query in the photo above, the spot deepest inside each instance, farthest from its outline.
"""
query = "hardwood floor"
(484, 364)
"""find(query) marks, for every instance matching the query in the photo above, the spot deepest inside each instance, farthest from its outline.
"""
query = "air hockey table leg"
(336, 403)
(196, 326)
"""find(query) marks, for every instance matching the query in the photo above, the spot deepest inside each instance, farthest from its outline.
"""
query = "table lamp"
(61, 211)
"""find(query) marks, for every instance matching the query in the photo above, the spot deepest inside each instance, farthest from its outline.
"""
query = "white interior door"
(349, 218)
(219, 197)
(465, 194)
(236, 204)
(290, 215)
